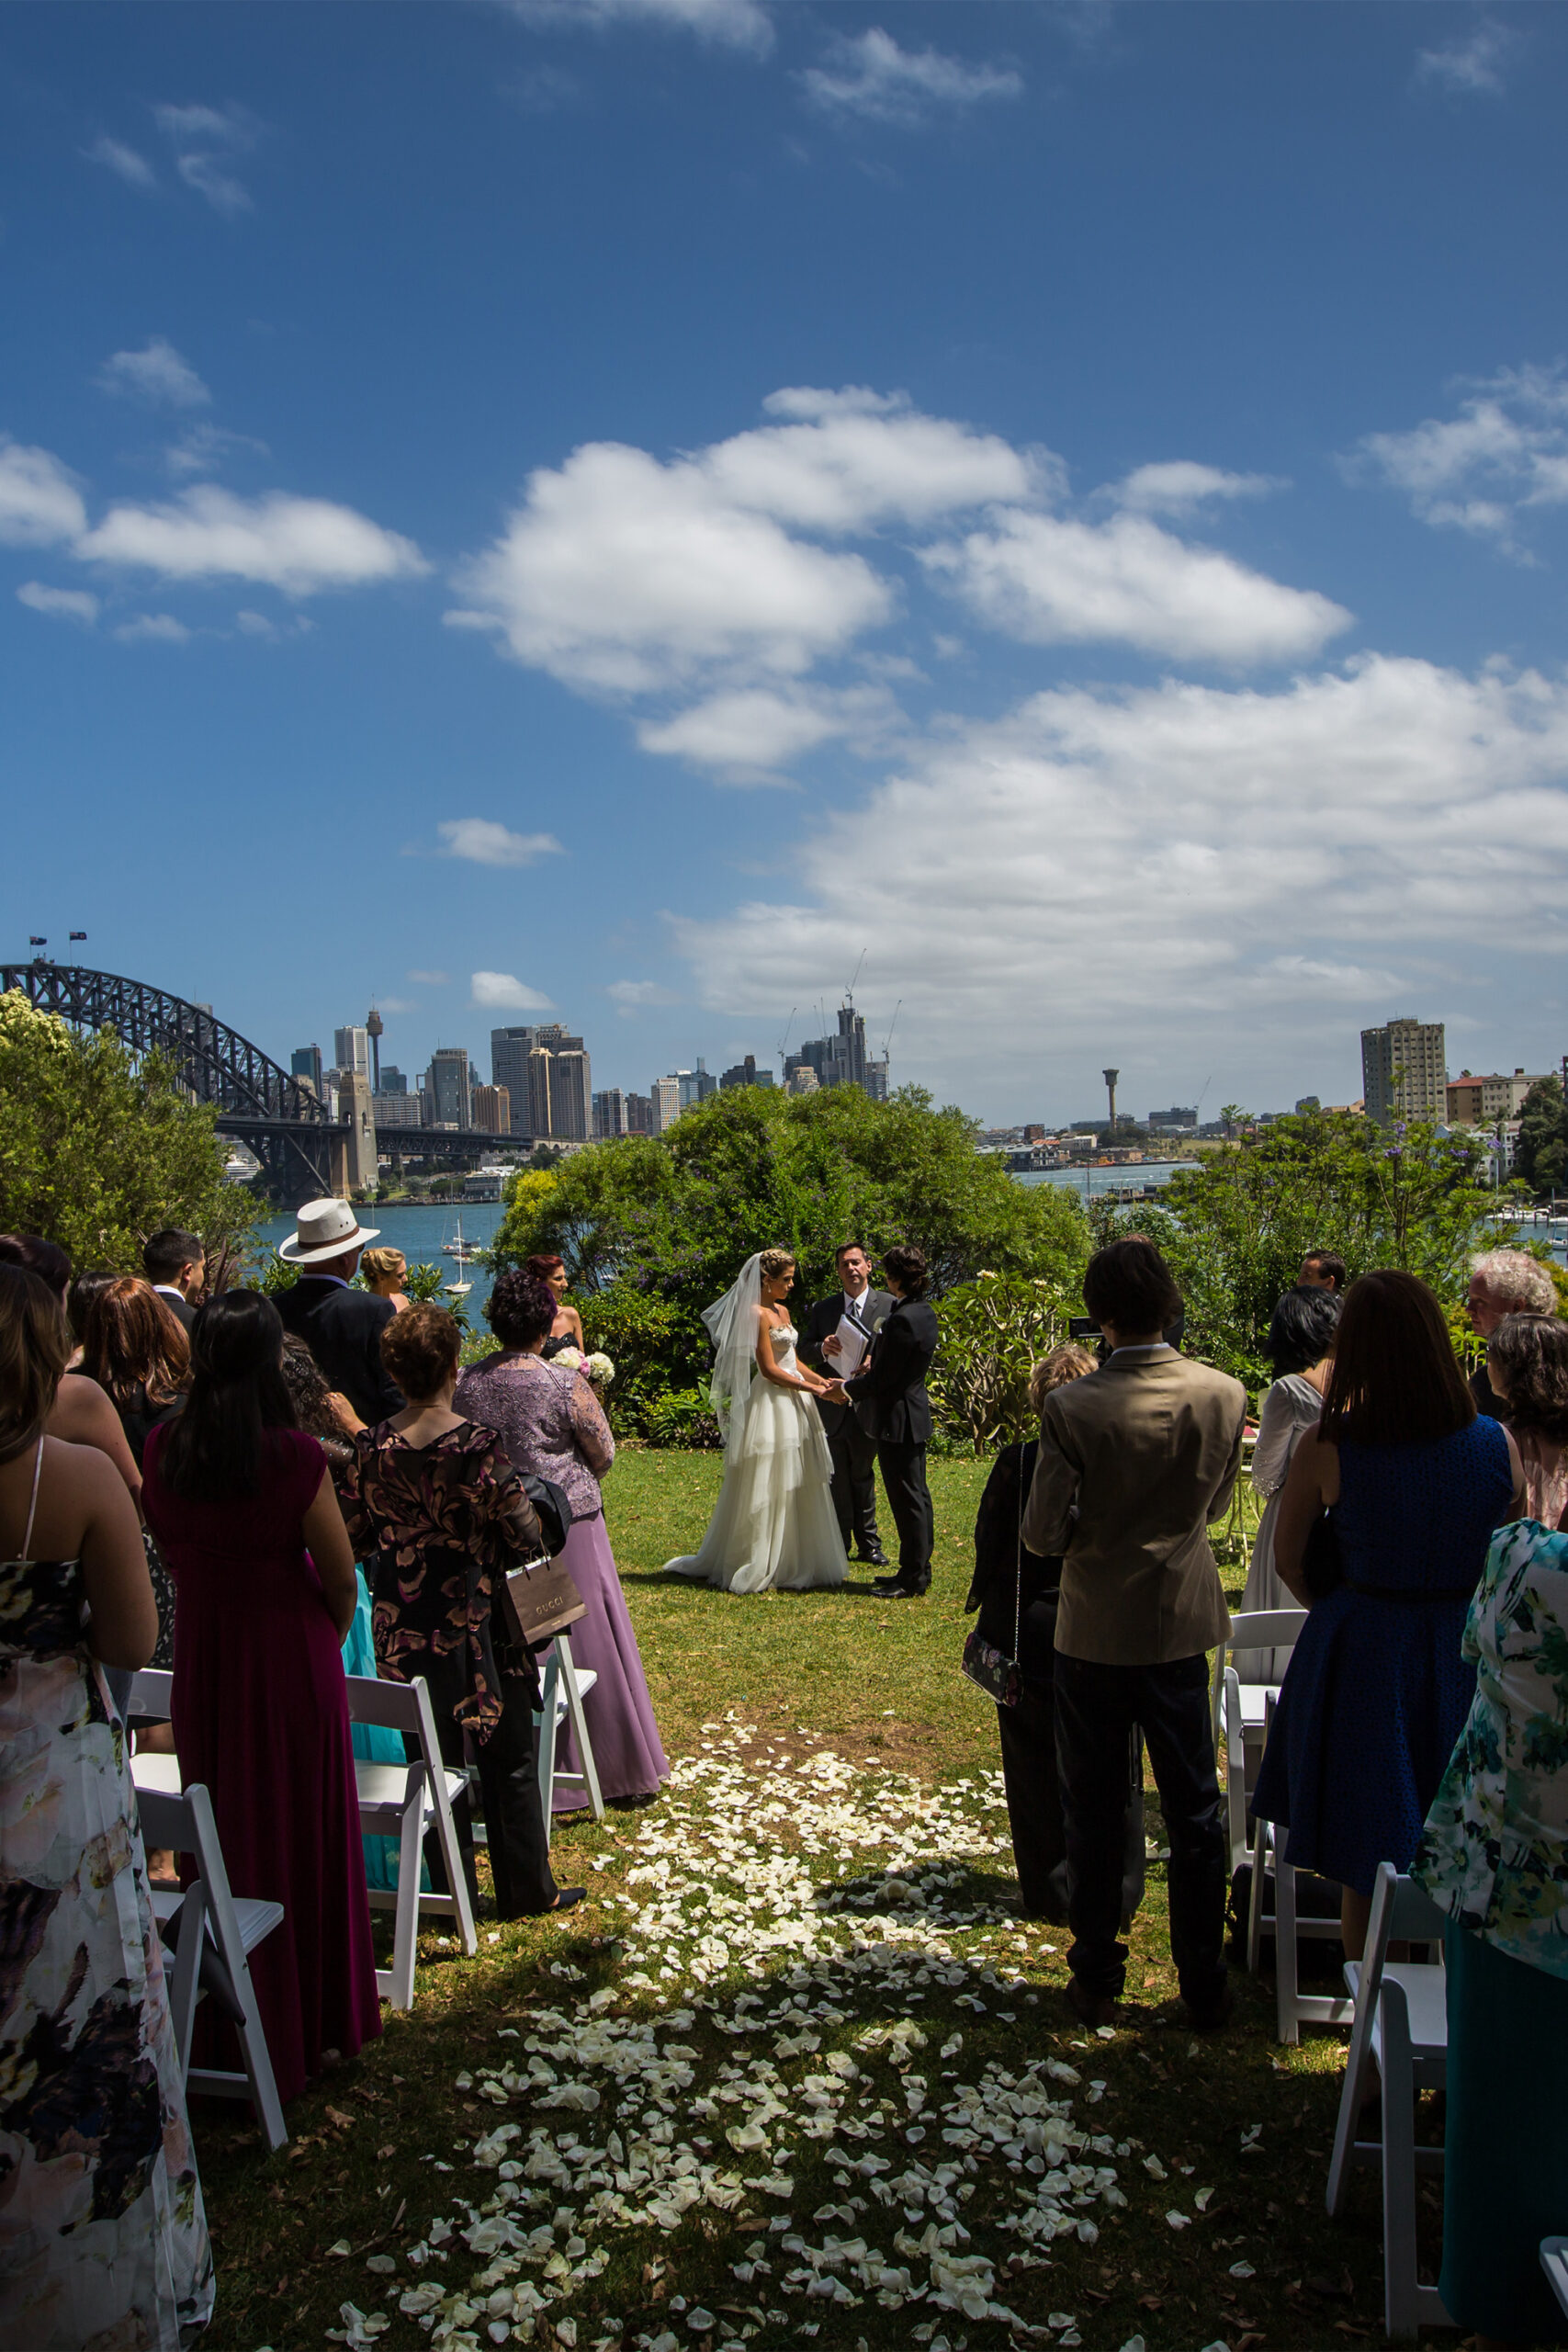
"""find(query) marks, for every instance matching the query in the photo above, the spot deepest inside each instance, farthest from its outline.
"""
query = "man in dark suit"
(175, 1264)
(834, 1337)
(341, 1328)
(891, 1407)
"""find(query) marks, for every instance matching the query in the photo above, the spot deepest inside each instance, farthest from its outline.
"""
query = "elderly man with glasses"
(1503, 1281)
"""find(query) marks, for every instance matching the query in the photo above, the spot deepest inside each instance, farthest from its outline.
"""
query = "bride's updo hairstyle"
(774, 1263)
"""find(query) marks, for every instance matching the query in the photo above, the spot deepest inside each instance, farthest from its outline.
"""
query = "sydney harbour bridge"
(300, 1150)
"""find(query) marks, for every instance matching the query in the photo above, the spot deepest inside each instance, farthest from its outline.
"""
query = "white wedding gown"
(774, 1528)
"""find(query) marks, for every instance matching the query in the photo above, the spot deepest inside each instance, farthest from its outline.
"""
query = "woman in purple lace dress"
(553, 1427)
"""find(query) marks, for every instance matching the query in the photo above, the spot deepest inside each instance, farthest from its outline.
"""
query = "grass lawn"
(770, 2043)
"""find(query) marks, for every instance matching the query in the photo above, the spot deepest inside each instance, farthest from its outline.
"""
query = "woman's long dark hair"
(1395, 1380)
(213, 1452)
(1302, 1331)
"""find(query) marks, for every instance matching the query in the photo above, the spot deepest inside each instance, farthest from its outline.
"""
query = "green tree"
(98, 1150)
(1236, 1228)
(1540, 1157)
(672, 1218)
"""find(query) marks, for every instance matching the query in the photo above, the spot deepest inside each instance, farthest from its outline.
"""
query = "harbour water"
(419, 1233)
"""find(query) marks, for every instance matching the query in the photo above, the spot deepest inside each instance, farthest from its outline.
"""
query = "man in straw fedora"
(341, 1328)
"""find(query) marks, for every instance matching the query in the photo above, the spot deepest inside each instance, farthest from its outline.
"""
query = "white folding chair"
(1241, 1708)
(1292, 2007)
(1554, 2262)
(402, 1801)
(565, 1688)
(151, 1693)
(1402, 2028)
(207, 1914)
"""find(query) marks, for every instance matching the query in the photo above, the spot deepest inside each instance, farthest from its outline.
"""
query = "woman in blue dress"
(1377, 1690)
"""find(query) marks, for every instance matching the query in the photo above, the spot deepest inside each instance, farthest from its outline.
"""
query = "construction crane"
(850, 992)
(887, 1041)
(783, 1045)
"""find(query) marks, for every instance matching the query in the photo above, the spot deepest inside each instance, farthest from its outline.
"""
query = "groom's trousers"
(855, 1485)
(903, 1475)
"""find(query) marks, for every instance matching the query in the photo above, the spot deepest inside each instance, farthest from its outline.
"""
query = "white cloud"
(1472, 68)
(203, 447)
(430, 980)
(747, 735)
(154, 629)
(1179, 486)
(868, 75)
(504, 991)
(39, 502)
(58, 603)
(620, 574)
(1505, 452)
(730, 24)
(1051, 582)
(631, 996)
(206, 142)
(156, 374)
(485, 844)
(297, 545)
(854, 460)
(123, 161)
(1187, 874)
(259, 625)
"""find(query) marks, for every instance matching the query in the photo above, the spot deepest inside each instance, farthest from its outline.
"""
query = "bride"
(774, 1528)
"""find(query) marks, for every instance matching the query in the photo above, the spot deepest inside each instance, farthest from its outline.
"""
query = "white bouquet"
(596, 1369)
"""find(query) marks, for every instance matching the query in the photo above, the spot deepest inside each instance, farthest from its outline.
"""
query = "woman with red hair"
(566, 1331)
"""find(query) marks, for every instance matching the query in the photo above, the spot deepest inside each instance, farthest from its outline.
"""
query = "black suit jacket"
(177, 1304)
(342, 1330)
(889, 1396)
(821, 1322)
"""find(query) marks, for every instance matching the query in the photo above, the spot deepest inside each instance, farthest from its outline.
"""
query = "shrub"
(994, 1330)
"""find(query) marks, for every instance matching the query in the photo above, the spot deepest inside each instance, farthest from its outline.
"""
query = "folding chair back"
(1554, 2262)
(1401, 2027)
(1292, 2007)
(402, 1802)
(1241, 1709)
(152, 1690)
(208, 1919)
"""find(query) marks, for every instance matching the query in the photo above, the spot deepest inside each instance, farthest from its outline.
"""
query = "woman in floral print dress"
(103, 2238)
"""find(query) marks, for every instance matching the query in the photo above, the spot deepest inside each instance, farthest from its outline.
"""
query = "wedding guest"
(1136, 1460)
(1494, 1853)
(385, 1272)
(1527, 1364)
(1300, 1346)
(85, 1288)
(81, 1413)
(175, 1264)
(137, 1350)
(1503, 1281)
(340, 1326)
(1376, 1689)
(553, 1426)
(242, 1503)
(432, 1494)
(565, 1327)
(103, 2235)
(1323, 1269)
(1016, 1593)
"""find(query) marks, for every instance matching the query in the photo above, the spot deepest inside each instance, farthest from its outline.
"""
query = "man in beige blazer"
(1135, 1460)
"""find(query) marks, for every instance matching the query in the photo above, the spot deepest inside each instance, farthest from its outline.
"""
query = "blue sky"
(625, 505)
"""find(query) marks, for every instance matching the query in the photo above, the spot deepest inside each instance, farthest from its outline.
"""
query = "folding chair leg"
(446, 1830)
(396, 1984)
(1254, 1907)
(1352, 2097)
(579, 1723)
(184, 1987)
(252, 2046)
(1287, 2020)
(1400, 2315)
(547, 1742)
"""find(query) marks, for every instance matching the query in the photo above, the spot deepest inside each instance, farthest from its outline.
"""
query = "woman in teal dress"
(1494, 1855)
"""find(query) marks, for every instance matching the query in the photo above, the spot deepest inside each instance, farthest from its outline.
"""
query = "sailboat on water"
(461, 1252)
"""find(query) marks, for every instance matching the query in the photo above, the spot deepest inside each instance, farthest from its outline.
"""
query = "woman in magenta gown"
(243, 1505)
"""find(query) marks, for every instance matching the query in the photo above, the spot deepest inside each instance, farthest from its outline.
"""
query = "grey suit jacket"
(1147, 1448)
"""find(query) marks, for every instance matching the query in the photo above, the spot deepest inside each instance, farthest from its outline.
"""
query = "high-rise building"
(640, 1114)
(450, 1087)
(746, 1073)
(351, 1050)
(610, 1114)
(400, 1110)
(306, 1063)
(492, 1110)
(1405, 1071)
(665, 1097)
(392, 1081)
(840, 1060)
(546, 1072)
(696, 1085)
(801, 1078)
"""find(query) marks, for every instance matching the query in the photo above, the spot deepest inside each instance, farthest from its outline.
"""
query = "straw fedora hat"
(325, 1230)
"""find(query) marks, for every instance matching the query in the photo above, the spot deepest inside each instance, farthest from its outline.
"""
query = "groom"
(892, 1407)
(834, 1338)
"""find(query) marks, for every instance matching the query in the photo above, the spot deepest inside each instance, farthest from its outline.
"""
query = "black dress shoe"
(878, 1559)
(896, 1587)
